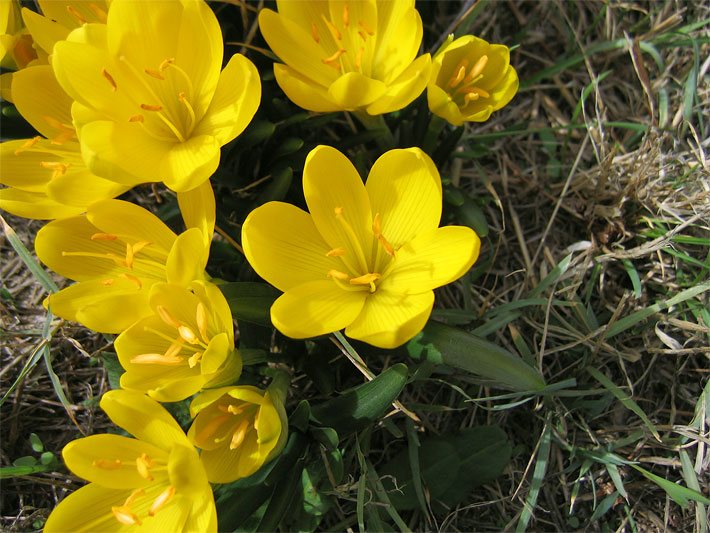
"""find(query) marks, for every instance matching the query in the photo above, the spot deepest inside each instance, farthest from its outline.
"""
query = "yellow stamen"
(314, 32)
(202, 321)
(460, 75)
(211, 427)
(133, 496)
(190, 111)
(166, 317)
(470, 97)
(355, 244)
(194, 359)
(166, 63)
(173, 349)
(346, 16)
(362, 35)
(59, 168)
(100, 13)
(336, 274)
(336, 252)
(157, 359)
(151, 107)
(136, 118)
(107, 464)
(107, 282)
(120, 261)
(358, 58)
(104, 237)
(109, 78)
(365, 28)
(143, 464)
(239, 434)
(236, 410)
(332, 29)
(162, 499)
(125, 516)
(365, 280)
(133, 279)
(29, 143)
(332, 59)
(74, 12)
(477, 69)
(157, 75)
(187, 334)
(137, 247)
(129, 256)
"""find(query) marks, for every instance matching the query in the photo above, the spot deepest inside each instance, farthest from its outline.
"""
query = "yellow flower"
(186, 345)
(239, 429)
(46, 176)
(154, 480)
(150, 101)
(367, 256)
(470, 79)
(117, 252)
(357, 55)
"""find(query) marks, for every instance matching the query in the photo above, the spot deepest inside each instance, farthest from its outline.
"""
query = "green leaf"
(680, 494)
(451, 466)
(471, 215)
(357, 408)
(250, 301)
(444, 345)
(36, 443)
(278, 187)
(113, 367)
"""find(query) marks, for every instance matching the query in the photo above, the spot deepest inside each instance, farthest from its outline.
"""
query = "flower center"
(349, 42)
(363, 276)
(462, 84)
(184, 348)
(232, 426)
(163, 109)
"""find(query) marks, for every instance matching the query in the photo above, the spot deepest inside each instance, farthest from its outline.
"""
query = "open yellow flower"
(117, 252)
(150, 101)
(470, 79)
(46, 175)
(239, 429)
(367, 257)
(187, 345)
(356, 55)
(154, 481)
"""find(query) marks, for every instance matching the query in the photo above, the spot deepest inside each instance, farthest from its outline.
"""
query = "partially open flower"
(239, 429)
(470, 79)
(154, 480)
(356, 55)
(187, 345)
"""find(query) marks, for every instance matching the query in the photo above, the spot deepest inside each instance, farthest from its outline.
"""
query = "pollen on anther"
(109, 78)
(332, 59)
(107, 464)
(166, 63)
(74, 12)
(151, 107)
(125, 516)
(154, 73)
(339, 211)
(103, 237)
(133, 279)
(336, 252)
(346, 16)
(336, 274)
(314, 32)
(136, 118)
(29, 143)
(162, 499)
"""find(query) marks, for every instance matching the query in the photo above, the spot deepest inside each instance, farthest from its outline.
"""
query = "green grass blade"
(37, 271)
(541, 460)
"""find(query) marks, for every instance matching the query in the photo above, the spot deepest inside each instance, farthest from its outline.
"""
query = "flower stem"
(376, 123)
(436, 126)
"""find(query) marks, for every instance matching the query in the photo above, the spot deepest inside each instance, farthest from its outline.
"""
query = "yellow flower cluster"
(125, 92)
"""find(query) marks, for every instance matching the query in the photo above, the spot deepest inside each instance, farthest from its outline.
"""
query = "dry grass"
(620, 182)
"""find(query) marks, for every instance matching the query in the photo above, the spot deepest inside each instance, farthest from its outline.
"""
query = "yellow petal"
(147, 33)
(198, 210)
(389, 320)
(295, 47)
(220, 316)
(28, 168)
(234, 103)
(107, 309)
(80, 188)
(144, 418)
(353, 90)
(441, 104)
(316, 308)
(38, 96)
(34, 205)
(124, 218)
(330, 183)
(188, 258)
(433, 259)
(404, 89)
(216, 354)
(188, 165)
(203, 514)
(45, 31)
(110, 460)
(405, 189)
(205, 399)
(81, 8)
(303, 91)
(398, 38)
(186, 472)
(5, 82)
(224, 465)
(283, 245)
(87, 509)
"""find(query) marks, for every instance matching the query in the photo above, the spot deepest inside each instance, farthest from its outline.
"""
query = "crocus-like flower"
(355, 55)
(186, 345)
(151, 103)
(154, 481)
(239, 429)
(116, 252)
(46, 176)
(470, 79)
(367, 256)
